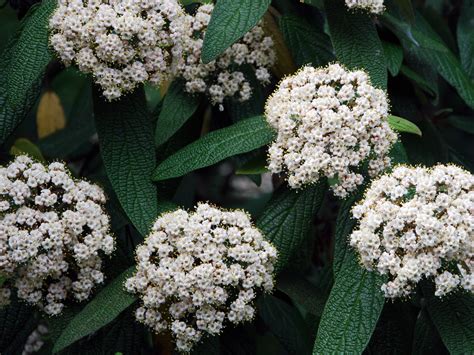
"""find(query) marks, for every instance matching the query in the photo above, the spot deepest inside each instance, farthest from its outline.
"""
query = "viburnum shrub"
(236, 176)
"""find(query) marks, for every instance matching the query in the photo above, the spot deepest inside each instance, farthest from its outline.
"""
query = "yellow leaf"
(50, 115)
(25, 146)
(284, 64)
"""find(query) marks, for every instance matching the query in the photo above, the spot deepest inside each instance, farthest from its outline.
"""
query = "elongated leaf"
(403, 125)
(305, 293)
(178, 107)
(99, 312)
(307, 45)
(355, 302)
(230, 20)
(424, 43)
(394, 57)
(16, 324)
(426, 339)
(356, 41)
(287, 218)
(465, 37)
(406, 9)
(463, 122)
(452, 316)
(79, 127)
(419, 81)
(23, 67)
(351, 312)
(286, 324)
(344, 226)
(126, 143)
(241, 137)
(25, 146)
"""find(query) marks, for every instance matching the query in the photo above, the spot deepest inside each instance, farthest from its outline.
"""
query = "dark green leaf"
(230, 20)
(23, 67)
(308, 46)
(453, 315)
(17, 321)
(79, 127)
(394, 57)
(462, 122)
(394, 331)
(423, 42)
(242, 137)
(356, 41)
(352, 310)
(255, 166)
(398, 154)
(303, 292)
(287, 219)
(406, 9)
(355, 302)
(126, 143)
(426, 340)
(178, 107)
(344, 226)
(418, 80)
(465, 37)
(99, 312)
(286, 324)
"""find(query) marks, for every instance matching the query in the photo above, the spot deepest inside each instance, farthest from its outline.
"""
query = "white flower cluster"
(53, 232)
(329, 122)
(35, 340)
(121, 42)
(197, 270)
(222, 78)
(418, 223)
(373, 6)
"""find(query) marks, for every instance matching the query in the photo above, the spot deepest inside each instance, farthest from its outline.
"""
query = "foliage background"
(152, 150)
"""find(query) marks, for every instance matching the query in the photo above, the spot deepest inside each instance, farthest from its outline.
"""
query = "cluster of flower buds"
(329, 121)
(417, 223)
(198, 270)
(223, 77)
(53, 234)
(373, 6)
(122, 43)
